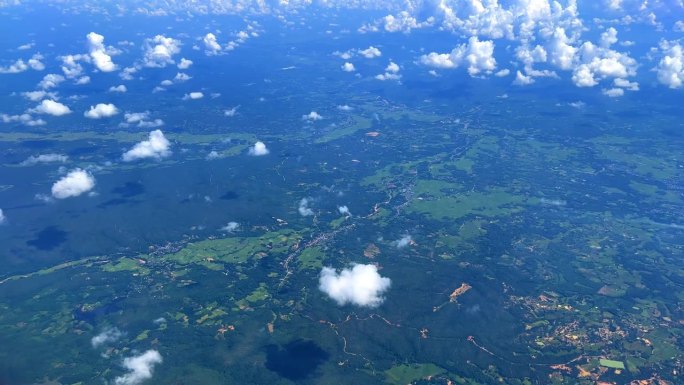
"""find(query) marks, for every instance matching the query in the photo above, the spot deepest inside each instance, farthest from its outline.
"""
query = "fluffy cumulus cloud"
(348, 67)
(159, 51)
(193, 96)
(361, 285)
(25, 119)
(304, 209)
(140, 368)
(211, 46)
(140, 119)
(403, 22)
(101, 110)
(3, 219)
(312, 116)
(73, 184)
(403, 241)
(370, 52)
(107, 336)
(670, 68)
(50, 81)
(120, 88)
(391, 72)
(36, 96)
(477, 55)
(231, 112)
(259, 149)
(71, 66)
(20, 65)
(156, 147)
(344, 210)
(51, 107)
(98, 53)
(230, 227)
(184, 63)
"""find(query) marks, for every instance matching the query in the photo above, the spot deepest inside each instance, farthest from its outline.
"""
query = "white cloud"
(156, 146)
(45, 158)
(101, 110)
(25, 119)
(478, 55)
(98, 53)
(20, 66)
(193, 96)
(230, 227)
(370, 52)
(140, 368)
(561, 51)
(678, 26)
(502, 73)
(141, 119)
(626, 84)
(50, 81)
(361, 285)
(388, 76)
(51, 107)
(312, 116)
(608, 37)
(670, 69)
(71, 66)
(583, 77)
(403, 241)
(159, 51)
(522, 80)
(344, 55)
(214, 155)
(181, 77)
(259, 149)
(304, 209)
(614, 92)
(344, 210)
(392, 67)
(404, 22)
(597, 63)
(212, 47)
(120, 88)
(348, 67)
(3, 218)
(344, 107)
(82, 80)
(231, 112)
(75, 183)
(39, 95)
(391, 72)
(184, 63)
(107, 336)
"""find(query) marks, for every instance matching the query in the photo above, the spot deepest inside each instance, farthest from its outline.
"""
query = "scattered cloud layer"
(361, 285)
(75, 183)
